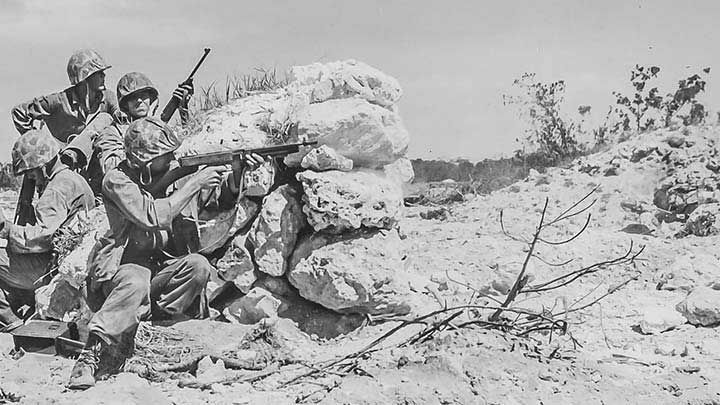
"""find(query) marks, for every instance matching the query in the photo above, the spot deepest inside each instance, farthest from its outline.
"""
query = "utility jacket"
(109, 147)
(63, 112)
(140, 225)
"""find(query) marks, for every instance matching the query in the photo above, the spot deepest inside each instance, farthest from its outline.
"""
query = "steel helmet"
(84, 63)
(34, 149)
(131, 83)
(148, 138)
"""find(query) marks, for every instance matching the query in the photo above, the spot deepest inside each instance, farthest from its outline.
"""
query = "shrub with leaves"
(539, 105)
(635, 111)
(685, 95)
(646, 106)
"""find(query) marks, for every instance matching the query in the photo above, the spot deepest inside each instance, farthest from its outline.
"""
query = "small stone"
(237, 266)
(258, 304)
(665, 349)
(325, 158)
(655, 320)
(701, 307)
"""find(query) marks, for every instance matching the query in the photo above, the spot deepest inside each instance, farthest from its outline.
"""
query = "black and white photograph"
(370, 202)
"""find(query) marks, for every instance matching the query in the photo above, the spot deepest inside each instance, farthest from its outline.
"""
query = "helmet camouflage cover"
(84, 63)
(131, 83)
(34, 149)
(148, 138)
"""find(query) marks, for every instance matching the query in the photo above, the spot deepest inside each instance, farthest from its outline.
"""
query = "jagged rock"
(62, 297)
(654, 320)
(247, 210)
(370, 135)
(400, 171)
(259, 181)
(326, 158)
(275, 231)
(335, 201)
(347, 78)
(689, 271)
(703, 221)
(88, 228)
(236, 265)
(311, 318)
(258, 304)
(59, 300)
(352, 273)
(701, 307)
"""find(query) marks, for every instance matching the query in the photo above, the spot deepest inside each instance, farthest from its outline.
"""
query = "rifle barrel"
(202, 59)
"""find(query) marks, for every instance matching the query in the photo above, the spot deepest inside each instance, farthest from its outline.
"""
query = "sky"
(454, 59)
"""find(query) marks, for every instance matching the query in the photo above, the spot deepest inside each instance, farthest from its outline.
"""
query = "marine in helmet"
(138, 98)
(67, 113)
(137, 270)
(64, 194)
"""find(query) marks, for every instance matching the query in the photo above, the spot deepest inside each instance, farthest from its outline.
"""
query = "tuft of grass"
(235, 87)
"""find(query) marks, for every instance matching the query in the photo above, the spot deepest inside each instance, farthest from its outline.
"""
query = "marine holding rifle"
(138, 98)
(26, 260)
(136, 271)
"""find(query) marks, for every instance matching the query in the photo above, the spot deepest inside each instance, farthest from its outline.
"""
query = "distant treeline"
(486, 175)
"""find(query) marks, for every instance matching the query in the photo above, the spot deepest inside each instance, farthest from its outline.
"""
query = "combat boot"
(83, 373)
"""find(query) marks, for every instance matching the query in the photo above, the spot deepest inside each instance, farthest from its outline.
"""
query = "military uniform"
(67, 113)
(27, 258)
(132, 266)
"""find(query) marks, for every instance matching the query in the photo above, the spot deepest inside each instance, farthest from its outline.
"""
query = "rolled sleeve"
(24, 115)
(137, 206)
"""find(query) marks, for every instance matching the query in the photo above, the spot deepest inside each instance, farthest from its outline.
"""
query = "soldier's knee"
(200, 268)
(133, 277)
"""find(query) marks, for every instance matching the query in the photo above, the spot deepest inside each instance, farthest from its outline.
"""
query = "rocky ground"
(366, 264)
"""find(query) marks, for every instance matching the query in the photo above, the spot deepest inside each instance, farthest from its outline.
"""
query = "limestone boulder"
(326, 158)
(246, 213)
(274, 233)
(244, 123)
(701, 307)
(311, 318)
(335, 201)
(345, 79)
(370, 135)
(361, 273)
(236, 265)
(401, 171)
(258, 304)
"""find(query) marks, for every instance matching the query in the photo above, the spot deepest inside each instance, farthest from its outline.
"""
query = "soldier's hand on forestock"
(253, 161)
(209, 177)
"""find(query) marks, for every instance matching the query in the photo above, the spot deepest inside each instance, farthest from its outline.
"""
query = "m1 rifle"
(174, 102)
